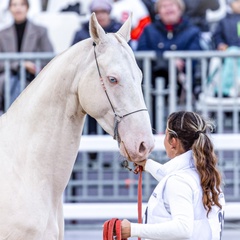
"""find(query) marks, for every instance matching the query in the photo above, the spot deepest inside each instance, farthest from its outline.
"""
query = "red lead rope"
(140, 197)
(113, 226)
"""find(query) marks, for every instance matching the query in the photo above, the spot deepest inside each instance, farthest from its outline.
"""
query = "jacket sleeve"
(218, 35)
(45, 43)
(194, 41)
(14, 65)
(155, 169)
(179, 196)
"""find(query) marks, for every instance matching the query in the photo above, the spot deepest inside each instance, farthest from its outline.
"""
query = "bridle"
(117, 117)
(114, 223)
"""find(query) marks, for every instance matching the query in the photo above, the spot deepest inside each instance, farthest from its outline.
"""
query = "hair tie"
(197, 134)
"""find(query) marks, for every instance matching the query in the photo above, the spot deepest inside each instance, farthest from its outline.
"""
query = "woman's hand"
(30, 66)
(222, 47)
(125, 229)
(140, 165)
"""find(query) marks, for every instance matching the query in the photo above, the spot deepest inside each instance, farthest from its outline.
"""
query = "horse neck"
(51, 122)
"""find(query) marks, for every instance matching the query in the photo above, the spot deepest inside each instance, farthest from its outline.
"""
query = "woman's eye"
(112, 80)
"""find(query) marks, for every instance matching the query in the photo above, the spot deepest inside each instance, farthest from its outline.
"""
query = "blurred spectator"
(6, 18)
(227, 32)
(21, 36)
(102, 9)
(140, 16)
(227, 38)
(172, 31)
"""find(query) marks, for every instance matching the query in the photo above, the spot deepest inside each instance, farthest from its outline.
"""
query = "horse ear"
(125, 30)
(96, 31)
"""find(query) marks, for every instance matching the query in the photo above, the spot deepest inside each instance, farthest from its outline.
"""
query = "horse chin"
(126, 153)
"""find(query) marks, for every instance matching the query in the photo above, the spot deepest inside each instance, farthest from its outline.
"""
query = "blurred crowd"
(157, 25)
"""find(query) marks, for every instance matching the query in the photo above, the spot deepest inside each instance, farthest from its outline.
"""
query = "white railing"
(101, 211)
(104, 211)
(97, 143)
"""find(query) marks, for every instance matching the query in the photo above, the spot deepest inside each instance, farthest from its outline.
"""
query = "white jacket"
(175, 209)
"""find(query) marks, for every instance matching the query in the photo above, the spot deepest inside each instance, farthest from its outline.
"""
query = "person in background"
(188, 202)
(227, 32)
(226, 37)
(172, 31)
(21, 36)
(102, 9)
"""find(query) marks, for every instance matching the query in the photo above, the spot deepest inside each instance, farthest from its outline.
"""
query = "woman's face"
(19, 10)
(169, 12)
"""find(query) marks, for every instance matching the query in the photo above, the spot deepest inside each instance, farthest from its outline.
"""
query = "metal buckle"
(125, 164)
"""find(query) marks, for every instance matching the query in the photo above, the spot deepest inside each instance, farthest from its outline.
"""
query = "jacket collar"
(180, 162)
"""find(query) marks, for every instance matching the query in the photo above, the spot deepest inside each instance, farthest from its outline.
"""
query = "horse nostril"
(142, 147)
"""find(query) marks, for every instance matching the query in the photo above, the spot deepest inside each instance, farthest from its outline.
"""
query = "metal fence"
(99, 176)
(224, 110)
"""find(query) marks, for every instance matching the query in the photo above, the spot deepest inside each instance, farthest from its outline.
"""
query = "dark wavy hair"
(192, 131)
(25, 1)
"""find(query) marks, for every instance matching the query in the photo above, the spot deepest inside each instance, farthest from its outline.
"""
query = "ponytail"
(192, 131)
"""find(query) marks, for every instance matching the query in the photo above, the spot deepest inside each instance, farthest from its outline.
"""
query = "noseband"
(117, 117)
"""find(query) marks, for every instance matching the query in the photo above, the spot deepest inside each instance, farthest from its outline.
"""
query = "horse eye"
(112, 80)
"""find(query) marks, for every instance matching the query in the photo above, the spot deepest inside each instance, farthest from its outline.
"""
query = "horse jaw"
(97, 33)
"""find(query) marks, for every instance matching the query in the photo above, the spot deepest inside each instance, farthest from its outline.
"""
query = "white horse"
(40, 133)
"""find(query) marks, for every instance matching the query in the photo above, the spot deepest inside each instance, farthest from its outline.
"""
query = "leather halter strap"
(117, 117)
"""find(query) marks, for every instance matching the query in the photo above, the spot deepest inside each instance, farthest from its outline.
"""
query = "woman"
(187, 202)
(22, 36)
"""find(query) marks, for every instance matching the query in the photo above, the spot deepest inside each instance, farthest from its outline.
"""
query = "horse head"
(114, 96)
